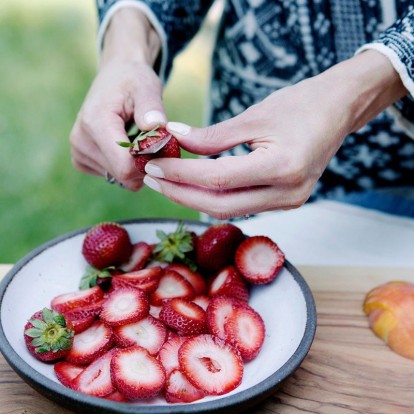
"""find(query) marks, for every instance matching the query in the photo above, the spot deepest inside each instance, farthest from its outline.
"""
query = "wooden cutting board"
(348, 369)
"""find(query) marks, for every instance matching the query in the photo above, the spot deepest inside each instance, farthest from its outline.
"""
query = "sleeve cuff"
(405, 79)
(152, 19)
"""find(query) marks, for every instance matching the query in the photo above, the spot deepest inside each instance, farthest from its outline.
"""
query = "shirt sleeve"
(175, 21)
(397, 44)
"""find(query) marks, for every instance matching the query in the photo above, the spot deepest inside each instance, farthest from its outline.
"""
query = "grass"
(48, 60)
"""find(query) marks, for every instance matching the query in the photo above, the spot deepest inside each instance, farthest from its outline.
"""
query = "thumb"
(212, 139)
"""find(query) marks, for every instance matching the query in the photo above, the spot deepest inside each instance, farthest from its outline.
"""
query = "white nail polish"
(154, 117)
(151, 183)
(178, 128)
(154, 170)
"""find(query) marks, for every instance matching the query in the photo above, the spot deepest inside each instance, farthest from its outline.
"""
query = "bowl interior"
(56, 268)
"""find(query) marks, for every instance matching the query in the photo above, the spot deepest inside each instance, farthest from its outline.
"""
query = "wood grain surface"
(348, 369)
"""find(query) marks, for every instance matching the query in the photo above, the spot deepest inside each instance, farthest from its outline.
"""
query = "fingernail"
(178, 128)
(154, 170)
(154, 117)
(151, 183)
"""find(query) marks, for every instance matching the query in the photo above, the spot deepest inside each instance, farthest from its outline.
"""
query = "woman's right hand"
(125, 89)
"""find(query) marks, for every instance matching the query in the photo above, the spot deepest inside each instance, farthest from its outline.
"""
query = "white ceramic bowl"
(286, 305)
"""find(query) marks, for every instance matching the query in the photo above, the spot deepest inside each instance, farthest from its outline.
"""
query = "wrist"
(130, 37)
(366, 85)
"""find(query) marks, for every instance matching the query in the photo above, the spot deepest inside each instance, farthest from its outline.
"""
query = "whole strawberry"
(47, 335)
(106, 244)
(147, 145)
(215, 248)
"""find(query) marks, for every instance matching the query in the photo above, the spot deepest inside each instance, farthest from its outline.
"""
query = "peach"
(390, 310)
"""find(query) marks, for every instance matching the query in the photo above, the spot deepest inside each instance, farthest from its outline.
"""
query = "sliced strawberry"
(150, 333)
(48, 335)
(171, 149)
(171, 285)
(95, 379)
(90, 344)
(229, 282)
(211, 364)
(155, 311)
(259, 259)
(218, 311)
(197, 281)
(106, 244)
(168, 354)
(178, 389)
(79, 325)
(141, 252)
(245, 330)
(145, 279)
(136, 373)
(85, 311)
(140, 162)
(69, 301)
(125, 305)
(116, 396)
(202, 301)
(184, 316)
(66, 372)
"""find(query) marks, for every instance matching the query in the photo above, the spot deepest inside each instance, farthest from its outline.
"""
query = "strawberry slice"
(66, 372)
(178, 389)
(79, 325)
(116, 396)
(85, 311)
(141, 252)
(145, 279)
(229, 282)
(136, 373)
(218, 311)
(150, 333)
(90, 344)
(125, 305)
(184, 316)
(168, 354)
(197, 281)
(245, 330)
(78, 299)
(171, 285)
(202, 301)
(211, 364)
(95, 379)
(259, 259)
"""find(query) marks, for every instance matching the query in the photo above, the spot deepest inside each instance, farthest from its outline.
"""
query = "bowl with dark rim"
(286, 306)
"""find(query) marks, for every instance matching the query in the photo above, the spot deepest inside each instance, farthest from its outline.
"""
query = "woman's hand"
(125, 89)
(293, 135)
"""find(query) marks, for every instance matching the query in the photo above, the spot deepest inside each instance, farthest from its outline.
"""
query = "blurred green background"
(48, 58)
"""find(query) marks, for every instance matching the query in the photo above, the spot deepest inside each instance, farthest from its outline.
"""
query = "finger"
(219, 137)
(86, 164)
(224, 205)
(148, 107)
(260, 167)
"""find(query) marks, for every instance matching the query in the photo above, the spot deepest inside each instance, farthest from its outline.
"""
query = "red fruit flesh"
(70, 301)
(211, 364)
(245, 330)
(149, 333)
(124, 305)
(196, 280)
(216, 246)
(90, 344)
(259, 259)
(106, 244)
(229, 282)
(168, 354)
(145, 279)
(141, 252)
(95, 379)
(184, 316)
(137, 374)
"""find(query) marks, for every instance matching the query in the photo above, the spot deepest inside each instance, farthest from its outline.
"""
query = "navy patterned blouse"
(264, 45)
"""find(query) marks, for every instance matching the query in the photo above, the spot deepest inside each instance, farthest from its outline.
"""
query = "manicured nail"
(178, 128)
(151, 183)
(154, 117)
(154, 170)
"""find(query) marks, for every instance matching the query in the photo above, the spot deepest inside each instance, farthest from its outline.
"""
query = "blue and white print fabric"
(264, 45)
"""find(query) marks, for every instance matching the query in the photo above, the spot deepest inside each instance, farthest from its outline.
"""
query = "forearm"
(364, 85)
(130, 37)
